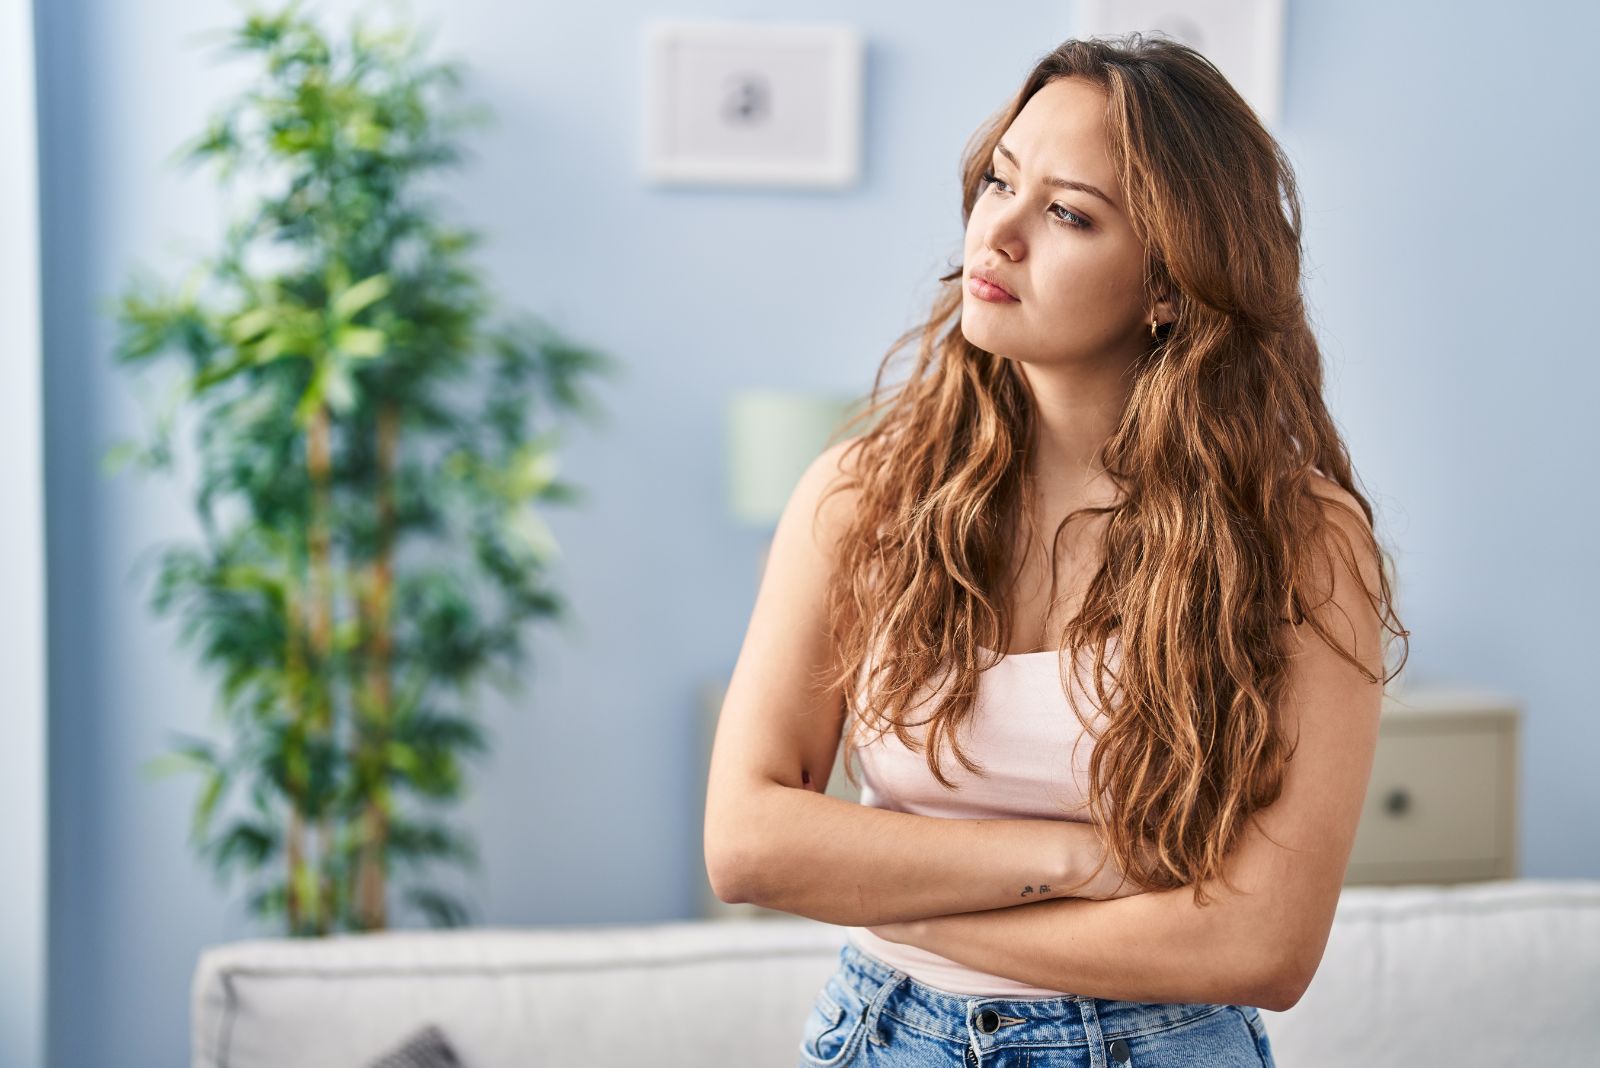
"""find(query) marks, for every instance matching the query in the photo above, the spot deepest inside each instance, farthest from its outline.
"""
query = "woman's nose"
(1003, 233)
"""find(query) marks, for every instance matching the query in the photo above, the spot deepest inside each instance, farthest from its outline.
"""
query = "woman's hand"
(1086, 851)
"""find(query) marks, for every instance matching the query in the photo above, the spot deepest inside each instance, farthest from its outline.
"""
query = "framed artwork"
(1244, 38)
(753, 104)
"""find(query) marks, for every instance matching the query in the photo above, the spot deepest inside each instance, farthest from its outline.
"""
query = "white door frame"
(25, 755)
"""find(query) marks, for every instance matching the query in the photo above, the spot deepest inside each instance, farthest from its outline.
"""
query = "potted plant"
(373, 454)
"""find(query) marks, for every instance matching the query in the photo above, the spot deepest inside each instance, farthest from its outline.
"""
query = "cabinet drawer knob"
(1397, 803)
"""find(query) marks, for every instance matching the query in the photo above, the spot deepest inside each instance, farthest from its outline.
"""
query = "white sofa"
(1490, 974)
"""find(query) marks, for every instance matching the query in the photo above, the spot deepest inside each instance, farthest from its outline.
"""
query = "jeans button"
(1119, 1050)
(988, 1021)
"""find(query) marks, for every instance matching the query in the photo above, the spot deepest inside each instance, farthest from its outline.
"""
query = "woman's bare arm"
(815, 855)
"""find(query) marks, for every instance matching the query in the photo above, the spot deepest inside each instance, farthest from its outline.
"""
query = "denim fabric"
(870, 1014)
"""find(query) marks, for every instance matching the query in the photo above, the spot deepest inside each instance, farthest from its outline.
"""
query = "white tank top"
(1036, 758)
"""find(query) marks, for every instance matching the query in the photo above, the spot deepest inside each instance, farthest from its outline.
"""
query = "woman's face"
(1067, 254)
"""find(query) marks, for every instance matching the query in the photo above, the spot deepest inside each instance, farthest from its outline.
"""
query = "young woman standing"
(1122, 360)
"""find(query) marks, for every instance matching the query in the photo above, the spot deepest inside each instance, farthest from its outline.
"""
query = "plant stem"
(294, 664)
(370, 896)
(319, 463)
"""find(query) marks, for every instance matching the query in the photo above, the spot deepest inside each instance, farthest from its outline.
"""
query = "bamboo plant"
(373, 454)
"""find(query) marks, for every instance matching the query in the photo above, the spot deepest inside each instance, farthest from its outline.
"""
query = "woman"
(1129, 357)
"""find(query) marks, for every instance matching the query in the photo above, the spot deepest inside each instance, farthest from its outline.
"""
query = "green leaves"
(374, 459)
(349, 341)
(250, 324)
(440, 909)
(349, 301)
(245, 845)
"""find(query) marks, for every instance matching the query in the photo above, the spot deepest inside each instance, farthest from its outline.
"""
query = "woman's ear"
(1166, 309)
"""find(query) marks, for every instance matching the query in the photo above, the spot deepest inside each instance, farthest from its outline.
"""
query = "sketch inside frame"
(735, 103)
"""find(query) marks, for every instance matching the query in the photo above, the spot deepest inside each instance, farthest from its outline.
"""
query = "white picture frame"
(1243, 38)
(751, 104)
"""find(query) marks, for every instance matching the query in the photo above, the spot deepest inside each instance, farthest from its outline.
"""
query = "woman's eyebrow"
(1059, 183)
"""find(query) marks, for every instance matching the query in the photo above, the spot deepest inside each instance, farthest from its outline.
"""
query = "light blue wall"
(1440, 148)
(1447, 159)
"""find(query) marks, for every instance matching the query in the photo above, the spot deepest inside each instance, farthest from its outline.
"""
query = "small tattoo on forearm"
(1044, 888)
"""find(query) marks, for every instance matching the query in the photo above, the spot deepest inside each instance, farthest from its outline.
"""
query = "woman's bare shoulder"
(1327, 490)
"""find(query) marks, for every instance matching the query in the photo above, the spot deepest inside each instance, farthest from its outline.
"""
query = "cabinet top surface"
(1446, 699)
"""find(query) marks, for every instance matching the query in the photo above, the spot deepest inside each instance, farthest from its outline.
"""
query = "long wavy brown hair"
(1216, 538)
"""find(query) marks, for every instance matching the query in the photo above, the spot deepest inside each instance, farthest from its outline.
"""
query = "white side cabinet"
(1441, 806)
(1442, 803)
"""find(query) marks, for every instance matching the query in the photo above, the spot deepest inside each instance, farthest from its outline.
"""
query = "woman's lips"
(985, 291)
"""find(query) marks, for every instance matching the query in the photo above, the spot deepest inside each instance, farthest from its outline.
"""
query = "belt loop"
(877, 1003)
(1092, 1032)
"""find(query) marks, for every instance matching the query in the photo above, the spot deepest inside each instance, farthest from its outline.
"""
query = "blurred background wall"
(1445, 152)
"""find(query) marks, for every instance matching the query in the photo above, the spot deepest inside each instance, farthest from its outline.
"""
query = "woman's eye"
(1081, 223)
(1061, 211)
(989, 179)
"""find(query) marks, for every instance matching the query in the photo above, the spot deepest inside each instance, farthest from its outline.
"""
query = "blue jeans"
(870, 1014)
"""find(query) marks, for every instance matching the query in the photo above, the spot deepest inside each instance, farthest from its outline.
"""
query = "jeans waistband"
(1067, 1020)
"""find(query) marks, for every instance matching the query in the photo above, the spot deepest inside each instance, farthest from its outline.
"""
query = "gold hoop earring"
(1152, 329)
